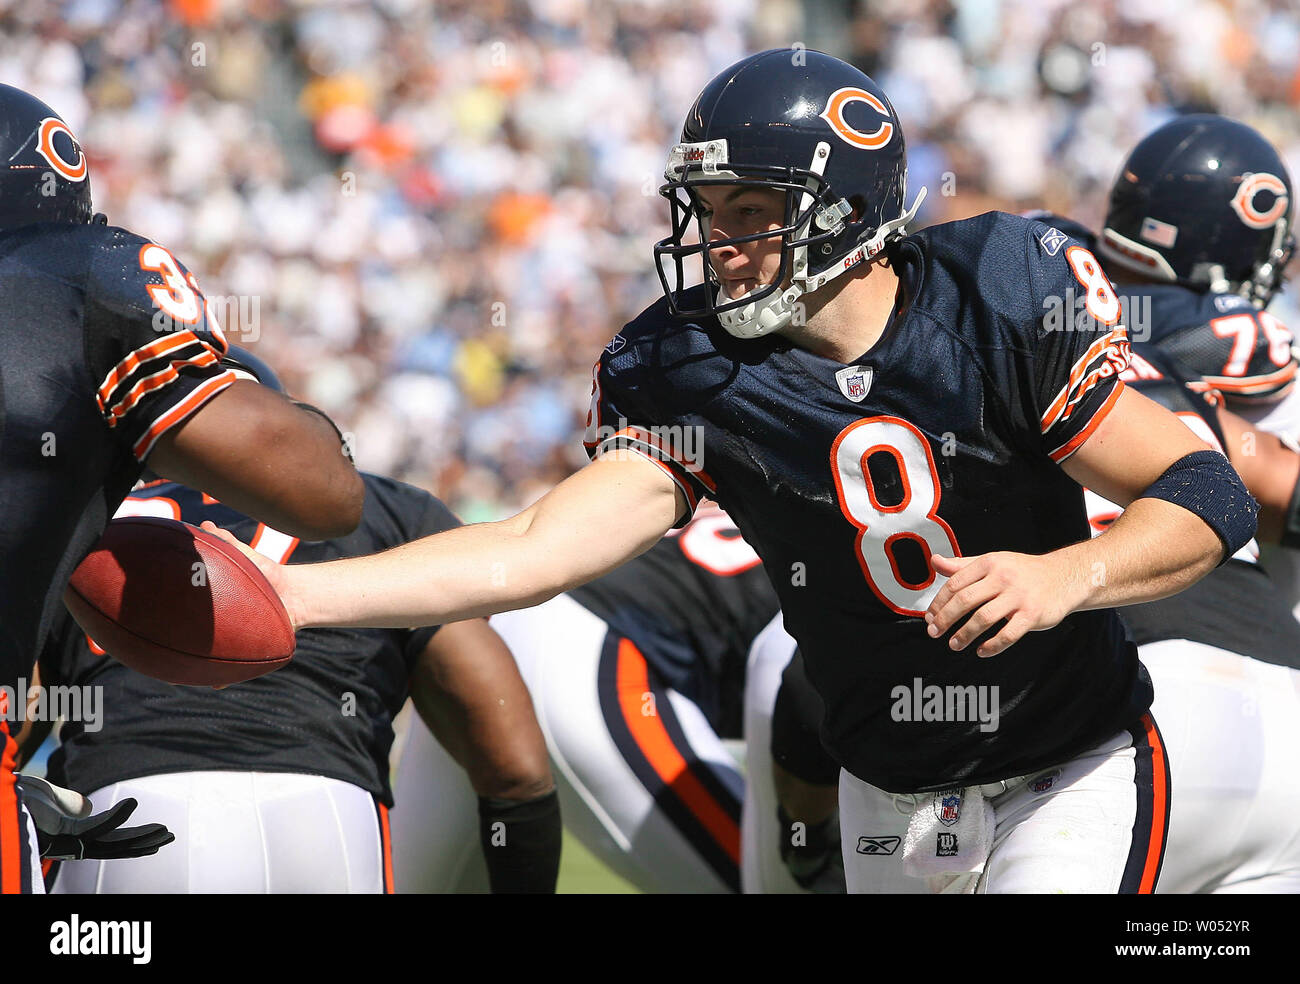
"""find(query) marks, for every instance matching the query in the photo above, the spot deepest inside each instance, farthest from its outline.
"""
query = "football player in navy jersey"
(110, 357)
(1197, 236)
(1199, 228)
(280, 784)
(1224, 657)
(638, 679)
(903, 441)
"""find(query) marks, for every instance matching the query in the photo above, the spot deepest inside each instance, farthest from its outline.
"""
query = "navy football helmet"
(1205, 202)
(808, 125)
(44, 176)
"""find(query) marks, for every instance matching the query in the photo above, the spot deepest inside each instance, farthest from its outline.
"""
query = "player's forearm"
(1153, 550)
(463, 573)
(589, 524)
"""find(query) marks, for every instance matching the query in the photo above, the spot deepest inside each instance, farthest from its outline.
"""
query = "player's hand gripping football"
(1029, 592)
(273, 572)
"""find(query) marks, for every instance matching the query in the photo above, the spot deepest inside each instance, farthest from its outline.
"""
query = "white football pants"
(251, 833)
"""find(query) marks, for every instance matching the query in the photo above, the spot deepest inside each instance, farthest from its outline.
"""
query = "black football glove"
(67, 831)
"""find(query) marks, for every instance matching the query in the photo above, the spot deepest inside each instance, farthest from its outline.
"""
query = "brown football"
(179, 604)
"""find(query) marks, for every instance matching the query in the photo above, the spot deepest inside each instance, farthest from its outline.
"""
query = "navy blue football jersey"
(328, 712)
(1221, 337)
(1243, 352)
(105, 344)
(693, 604)
(946, 437)
(1236, 606)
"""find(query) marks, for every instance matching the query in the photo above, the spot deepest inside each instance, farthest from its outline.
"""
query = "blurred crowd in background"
(431, 216)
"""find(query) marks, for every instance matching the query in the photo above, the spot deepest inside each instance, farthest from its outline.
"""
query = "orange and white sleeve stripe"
(181, 412)
(1105, 358)
(690, 478)
(149, 368)
(1265, 384)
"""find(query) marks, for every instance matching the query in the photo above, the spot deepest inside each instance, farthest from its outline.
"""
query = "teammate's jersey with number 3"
(106, 343)
(946, 437)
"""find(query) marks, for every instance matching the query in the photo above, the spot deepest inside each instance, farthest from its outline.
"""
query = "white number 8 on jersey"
(880, 527)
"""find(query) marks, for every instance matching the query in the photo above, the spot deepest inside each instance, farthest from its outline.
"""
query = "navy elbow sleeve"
(1204, 483)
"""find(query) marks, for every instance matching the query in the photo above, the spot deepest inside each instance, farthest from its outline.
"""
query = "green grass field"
(582, 873)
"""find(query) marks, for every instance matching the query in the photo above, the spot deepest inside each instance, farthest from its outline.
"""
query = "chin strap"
(873, 246)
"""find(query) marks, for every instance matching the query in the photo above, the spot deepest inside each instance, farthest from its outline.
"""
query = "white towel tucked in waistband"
(950, 833)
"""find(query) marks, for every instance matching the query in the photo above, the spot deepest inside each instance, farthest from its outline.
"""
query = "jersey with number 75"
(1001, 358)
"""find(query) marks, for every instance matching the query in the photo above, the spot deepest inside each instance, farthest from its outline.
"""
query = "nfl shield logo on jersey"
(947, 806)
(854, 382)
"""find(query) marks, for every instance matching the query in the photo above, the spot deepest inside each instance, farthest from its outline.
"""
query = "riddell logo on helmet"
(1243, 202)
(857, 255)
(833, 114)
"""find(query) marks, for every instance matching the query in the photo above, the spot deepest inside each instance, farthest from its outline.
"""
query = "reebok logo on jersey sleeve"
(1053, 240)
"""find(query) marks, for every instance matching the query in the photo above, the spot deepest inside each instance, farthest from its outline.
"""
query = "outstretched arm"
(592, 522)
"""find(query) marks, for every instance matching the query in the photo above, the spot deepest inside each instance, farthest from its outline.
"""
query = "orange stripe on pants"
(11, 862)
(657, 746)
(1160, 806)
(387, 847)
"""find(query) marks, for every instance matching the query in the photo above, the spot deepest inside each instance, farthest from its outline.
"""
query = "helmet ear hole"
(859, 207)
